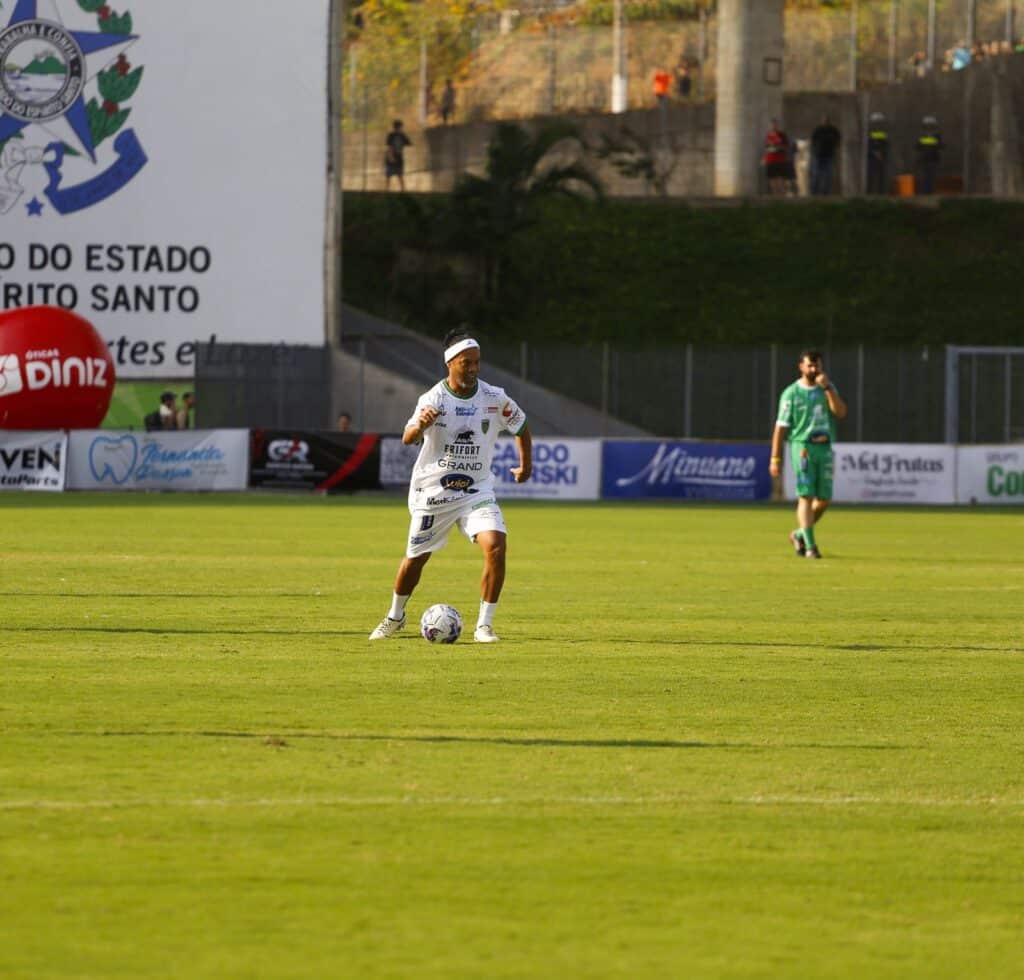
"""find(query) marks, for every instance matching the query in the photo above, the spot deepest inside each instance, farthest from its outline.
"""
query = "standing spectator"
(778, 167)
(344, 423)
(183, 418)
(878, 153)
(929, 154)
(394, 155)
(684, 83)
(824, 144)
(164, 417)
(448, 102)
(661, 85)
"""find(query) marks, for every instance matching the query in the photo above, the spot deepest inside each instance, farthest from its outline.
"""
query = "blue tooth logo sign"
(63, 92)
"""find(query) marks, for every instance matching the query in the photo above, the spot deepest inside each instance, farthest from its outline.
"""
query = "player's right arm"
(426, 415)
(785, 419)
(778, 438)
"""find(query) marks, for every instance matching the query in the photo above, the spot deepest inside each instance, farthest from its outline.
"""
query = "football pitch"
(691, 755)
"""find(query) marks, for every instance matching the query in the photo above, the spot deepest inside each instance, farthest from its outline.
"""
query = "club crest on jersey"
(485, 425)
(65, 81)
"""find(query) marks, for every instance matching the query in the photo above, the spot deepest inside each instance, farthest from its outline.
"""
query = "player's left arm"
(524, 443)
(835, 401)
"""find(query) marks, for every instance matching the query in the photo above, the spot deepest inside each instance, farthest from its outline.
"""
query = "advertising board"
(990, 475)
(690, 470)
(204, 459)
(33, 460)
(563, 469)
(163, 171)
(328, 462)
(889, 473)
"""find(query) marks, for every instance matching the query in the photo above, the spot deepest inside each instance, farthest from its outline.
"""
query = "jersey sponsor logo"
(420, 538)
(463, 483)
(459, 449)
(441, 501)
(465, 409)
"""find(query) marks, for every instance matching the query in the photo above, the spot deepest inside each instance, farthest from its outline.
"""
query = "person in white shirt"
(458, 422)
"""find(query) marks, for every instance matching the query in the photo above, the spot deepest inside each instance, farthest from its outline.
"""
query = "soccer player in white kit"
(458, 422)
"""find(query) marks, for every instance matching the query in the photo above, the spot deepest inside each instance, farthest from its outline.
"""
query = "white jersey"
(454, 464)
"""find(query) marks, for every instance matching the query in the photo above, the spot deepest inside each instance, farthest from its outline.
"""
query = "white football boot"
(388, 628)
(485, 634)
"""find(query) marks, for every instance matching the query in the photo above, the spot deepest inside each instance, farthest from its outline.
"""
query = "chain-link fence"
(552, 61)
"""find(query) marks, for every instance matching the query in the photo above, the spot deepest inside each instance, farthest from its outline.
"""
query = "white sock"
(487, 611)
(397, 610)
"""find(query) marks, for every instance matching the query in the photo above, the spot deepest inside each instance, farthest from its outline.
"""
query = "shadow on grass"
(279, 738)
(517, 643)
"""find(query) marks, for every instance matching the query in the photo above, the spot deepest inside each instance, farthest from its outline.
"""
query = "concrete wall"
(750, 58)
(977, 108)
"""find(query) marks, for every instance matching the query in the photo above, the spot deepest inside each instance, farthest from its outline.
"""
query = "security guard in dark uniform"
(929, 153)
(878, 153)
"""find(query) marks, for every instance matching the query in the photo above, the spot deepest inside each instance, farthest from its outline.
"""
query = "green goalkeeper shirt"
(805, 413)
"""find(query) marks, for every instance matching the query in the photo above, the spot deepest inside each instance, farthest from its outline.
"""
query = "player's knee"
(494, 549)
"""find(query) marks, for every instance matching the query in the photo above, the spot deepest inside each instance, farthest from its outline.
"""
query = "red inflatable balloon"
(55, 370)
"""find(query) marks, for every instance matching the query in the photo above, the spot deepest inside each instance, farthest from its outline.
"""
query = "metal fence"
(906, 394)
(263, 386)
(894, 394)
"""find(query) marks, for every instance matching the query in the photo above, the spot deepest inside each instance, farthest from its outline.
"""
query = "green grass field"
(692, 755)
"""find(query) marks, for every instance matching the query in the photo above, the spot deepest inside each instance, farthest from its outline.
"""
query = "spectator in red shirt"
(776, 160)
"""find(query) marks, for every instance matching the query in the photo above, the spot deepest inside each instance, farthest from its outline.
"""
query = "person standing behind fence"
(824, 144)
(878, 154)
(684, 83)
(448, 102)
(394, 155)
(776, 160)
(929, 154)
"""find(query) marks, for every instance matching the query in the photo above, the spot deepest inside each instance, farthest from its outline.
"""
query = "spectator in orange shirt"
(662, 84)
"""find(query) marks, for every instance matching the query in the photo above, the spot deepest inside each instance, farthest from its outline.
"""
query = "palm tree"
(522, 170)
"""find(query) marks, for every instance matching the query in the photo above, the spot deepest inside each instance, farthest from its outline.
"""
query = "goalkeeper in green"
(808, 410)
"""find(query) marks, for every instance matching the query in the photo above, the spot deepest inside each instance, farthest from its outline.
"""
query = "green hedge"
(830, 272)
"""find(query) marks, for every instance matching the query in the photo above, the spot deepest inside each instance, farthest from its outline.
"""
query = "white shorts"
(428, 531)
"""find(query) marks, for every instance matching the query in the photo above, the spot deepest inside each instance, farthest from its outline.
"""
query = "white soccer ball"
(441, 624)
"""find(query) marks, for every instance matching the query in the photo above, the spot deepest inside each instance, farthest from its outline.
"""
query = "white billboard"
(104, 459)
(163, 170)
(990, 475)
(563, 469)
(33, 460)
(889, 473)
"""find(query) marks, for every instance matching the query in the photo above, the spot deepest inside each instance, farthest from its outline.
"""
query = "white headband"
(457, 348)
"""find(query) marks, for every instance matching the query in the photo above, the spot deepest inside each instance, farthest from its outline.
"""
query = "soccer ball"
(441, 624)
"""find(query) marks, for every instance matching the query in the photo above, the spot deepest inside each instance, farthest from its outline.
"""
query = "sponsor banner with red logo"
(33, 460)
(563, 469)
(887, 473)
(213, 459)
(327, 462)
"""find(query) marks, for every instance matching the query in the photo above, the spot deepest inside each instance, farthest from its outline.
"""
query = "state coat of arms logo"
(65, 84)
